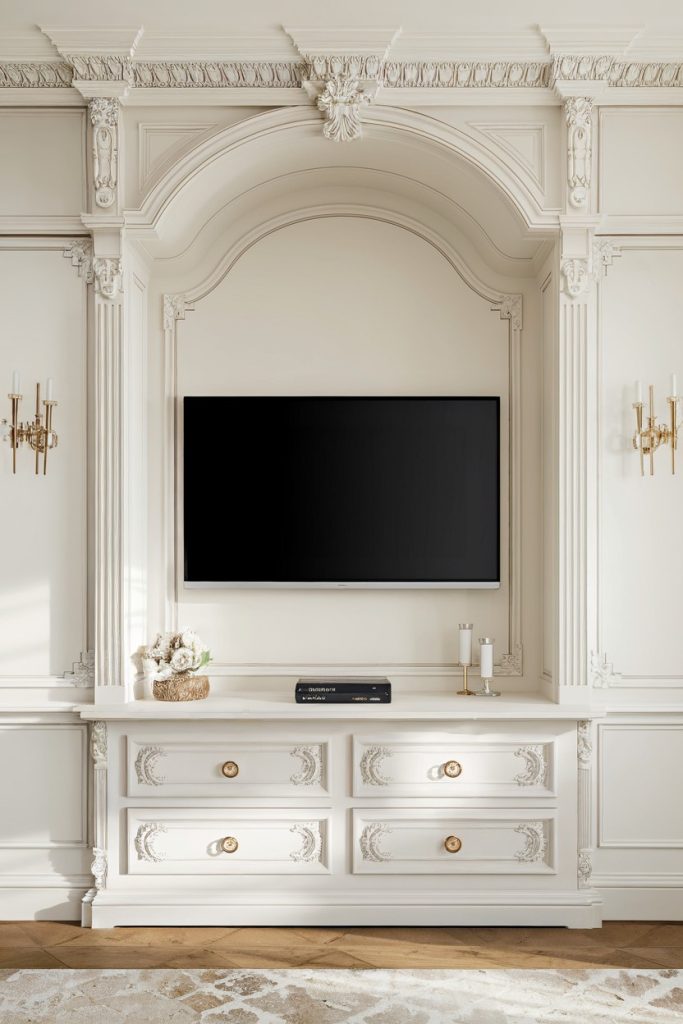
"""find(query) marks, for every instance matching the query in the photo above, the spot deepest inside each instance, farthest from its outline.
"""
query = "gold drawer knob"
(452, 844)
(452, 769)
(229, 844)
(230, 769)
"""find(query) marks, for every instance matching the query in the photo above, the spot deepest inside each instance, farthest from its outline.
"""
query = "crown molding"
(590, 39)
(26, 46)
(216, 46)
(115, 42)
(326, 42)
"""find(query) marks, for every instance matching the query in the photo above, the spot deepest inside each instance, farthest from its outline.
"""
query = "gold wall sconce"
(36, 433)
(650, 436)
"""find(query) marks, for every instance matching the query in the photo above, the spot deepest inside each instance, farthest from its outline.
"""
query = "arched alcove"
(321, 269)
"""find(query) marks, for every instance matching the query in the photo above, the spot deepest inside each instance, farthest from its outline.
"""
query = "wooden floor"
(43, 944)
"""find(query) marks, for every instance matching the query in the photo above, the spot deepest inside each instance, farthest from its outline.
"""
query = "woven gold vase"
(183, 686)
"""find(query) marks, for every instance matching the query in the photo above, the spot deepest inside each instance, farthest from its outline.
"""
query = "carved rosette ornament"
(535, 765)
(370, 839)
(341, 102)
(107, 271)
(578, 113)
(104, 117)
(535, 842)
(311, 770)
(311, 848)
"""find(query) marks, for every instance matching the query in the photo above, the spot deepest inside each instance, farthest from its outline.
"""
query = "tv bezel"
(347, 584)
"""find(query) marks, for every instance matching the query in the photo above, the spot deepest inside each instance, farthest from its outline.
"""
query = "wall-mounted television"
(341, 491)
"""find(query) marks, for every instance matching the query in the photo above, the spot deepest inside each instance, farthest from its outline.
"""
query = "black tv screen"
(341, 491)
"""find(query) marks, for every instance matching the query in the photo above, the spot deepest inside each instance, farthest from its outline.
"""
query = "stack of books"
(343, 691)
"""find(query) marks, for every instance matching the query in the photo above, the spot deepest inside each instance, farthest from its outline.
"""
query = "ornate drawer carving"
(235, 769)
(419, 840)
(452, 766)
(215, 841)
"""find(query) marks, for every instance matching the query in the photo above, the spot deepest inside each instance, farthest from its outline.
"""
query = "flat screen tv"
(341, 492)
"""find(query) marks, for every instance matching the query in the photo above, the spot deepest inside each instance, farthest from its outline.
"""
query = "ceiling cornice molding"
(111, 42)
(547, 65)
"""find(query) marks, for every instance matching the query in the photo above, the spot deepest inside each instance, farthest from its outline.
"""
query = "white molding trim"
(584, 840)
(643, 842)
(99, 754)
(509, 307)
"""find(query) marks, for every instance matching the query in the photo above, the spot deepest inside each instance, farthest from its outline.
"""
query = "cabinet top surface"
(404, 707)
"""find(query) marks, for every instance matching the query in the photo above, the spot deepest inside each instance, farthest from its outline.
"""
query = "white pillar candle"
(674, 386)
(16, 383)
(639, 391)
(486, 657)
(48, 389)
(466, 643)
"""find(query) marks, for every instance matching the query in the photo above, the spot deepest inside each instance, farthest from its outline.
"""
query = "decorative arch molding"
(509, 306)
(156, 206)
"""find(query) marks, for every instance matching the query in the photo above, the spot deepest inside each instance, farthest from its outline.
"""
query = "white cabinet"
(333, 820)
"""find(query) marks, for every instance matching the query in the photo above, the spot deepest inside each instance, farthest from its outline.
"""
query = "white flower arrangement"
(174, 653)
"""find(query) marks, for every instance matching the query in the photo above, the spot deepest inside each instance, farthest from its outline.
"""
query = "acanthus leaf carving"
(174, 308)
(35, 75)
(511, 309)
(535, 765)
(576, 275)
(107, 271)
(585, 868)
(578, 113)
(371, 765)
(105, 67)
(311, 842)
(99, 867)
(311, 770)
(369, 842)
(511, 663)
(604, 254)
(82, 673)
(602, 671)
(535, 842)
(341, 101)
(104, 117)
(145, 842)
(147, 766)
(80, 252)
(584, 744)
(98, 745)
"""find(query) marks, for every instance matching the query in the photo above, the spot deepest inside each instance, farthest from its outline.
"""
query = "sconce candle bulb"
(465, 656)
(486, 667)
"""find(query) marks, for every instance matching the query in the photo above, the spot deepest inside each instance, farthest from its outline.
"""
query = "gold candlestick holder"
(465, 692)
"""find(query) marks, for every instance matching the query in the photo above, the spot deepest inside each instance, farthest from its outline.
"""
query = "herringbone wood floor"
(44, 944)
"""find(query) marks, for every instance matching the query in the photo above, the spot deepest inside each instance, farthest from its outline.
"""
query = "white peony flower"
(182, 660)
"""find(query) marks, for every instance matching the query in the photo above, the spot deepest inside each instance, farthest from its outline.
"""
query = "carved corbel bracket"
(174, 307)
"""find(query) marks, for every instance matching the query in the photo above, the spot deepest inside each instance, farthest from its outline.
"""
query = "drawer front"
(424, 841)
(227, 768)
(214, 841)
(453, 767)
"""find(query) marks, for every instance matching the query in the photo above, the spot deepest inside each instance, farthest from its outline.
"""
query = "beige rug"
(341, 997)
